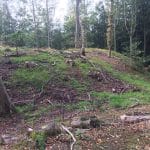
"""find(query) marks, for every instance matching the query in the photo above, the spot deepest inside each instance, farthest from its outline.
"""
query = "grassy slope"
(53, 67)
(47, 71)
(135, 78)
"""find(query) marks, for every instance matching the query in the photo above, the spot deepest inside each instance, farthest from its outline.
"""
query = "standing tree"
(50, 10)
(130, 12)
(78, 28)
(110, 27)
(35, 24)
(115, 12)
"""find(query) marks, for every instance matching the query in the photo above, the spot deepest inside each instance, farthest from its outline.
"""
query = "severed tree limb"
(74, 140)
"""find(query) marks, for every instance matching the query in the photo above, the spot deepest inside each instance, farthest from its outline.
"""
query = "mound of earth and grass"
(49, 86)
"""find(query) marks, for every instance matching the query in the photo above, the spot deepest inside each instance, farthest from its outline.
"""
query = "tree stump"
(6, 106)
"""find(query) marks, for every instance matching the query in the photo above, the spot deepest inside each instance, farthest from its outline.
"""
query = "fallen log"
(6, 106)
(134, 118)
(15, 54)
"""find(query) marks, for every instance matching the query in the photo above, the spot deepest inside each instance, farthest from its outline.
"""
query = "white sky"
(61, 9)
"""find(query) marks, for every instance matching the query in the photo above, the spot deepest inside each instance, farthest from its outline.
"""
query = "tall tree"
(110, 27)
(130, 16)
(35, 23)
(78, 28)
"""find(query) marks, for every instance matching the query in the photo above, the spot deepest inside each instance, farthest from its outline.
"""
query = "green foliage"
(17, 39)
(40, 139)
(68, 34)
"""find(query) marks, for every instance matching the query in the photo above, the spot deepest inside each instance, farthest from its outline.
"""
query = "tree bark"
(131, 45)
(110, 28)
(35, 25)
(82, 38)
(145, 43)
(48, 24)
(6, 106)
(77, 32)
(134, 118)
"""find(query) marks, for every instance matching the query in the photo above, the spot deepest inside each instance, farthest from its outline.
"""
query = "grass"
(35, 77)
(82, 106)
(31, 113)
(80, 87)
(50, 67)
(138, 80)
(40, 139)
(85, 67)
(122, 100)
(57, 69)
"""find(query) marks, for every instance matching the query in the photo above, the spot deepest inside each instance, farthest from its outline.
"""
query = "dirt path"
(116, 62)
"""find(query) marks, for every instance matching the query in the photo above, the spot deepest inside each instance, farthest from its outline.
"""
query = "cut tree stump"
(6, 106)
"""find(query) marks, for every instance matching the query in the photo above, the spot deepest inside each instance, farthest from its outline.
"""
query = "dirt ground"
(114, 135)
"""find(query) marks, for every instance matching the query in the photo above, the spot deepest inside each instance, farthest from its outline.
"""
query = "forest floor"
(51, 85)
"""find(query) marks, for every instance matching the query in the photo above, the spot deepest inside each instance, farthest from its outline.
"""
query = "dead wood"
(15, 54)
(19, 103)
(134, 118)
(74, 139)
(6, 106)
(30, 64)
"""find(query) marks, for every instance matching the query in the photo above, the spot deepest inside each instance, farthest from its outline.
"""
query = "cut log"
(134, 118)
(6, 106)
(15, 54)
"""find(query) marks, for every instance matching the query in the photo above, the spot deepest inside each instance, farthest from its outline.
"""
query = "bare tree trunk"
(144, 43)
(131, 48)
(77, 32)
(48, 24)
(82, 38)
(6, 105)
(110, 28)
(115, 42)
(35, 24)
(130, 24)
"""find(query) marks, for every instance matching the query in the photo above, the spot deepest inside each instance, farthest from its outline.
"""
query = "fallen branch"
(23, 102)
(50, 102)
(74, 140)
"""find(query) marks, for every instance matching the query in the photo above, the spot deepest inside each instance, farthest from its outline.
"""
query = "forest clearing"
(64, 86)
(74, 75)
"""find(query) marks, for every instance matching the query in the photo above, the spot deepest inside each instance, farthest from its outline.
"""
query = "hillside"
(59, 86)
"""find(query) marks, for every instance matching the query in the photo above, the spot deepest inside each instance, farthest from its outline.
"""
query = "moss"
(40, 140)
